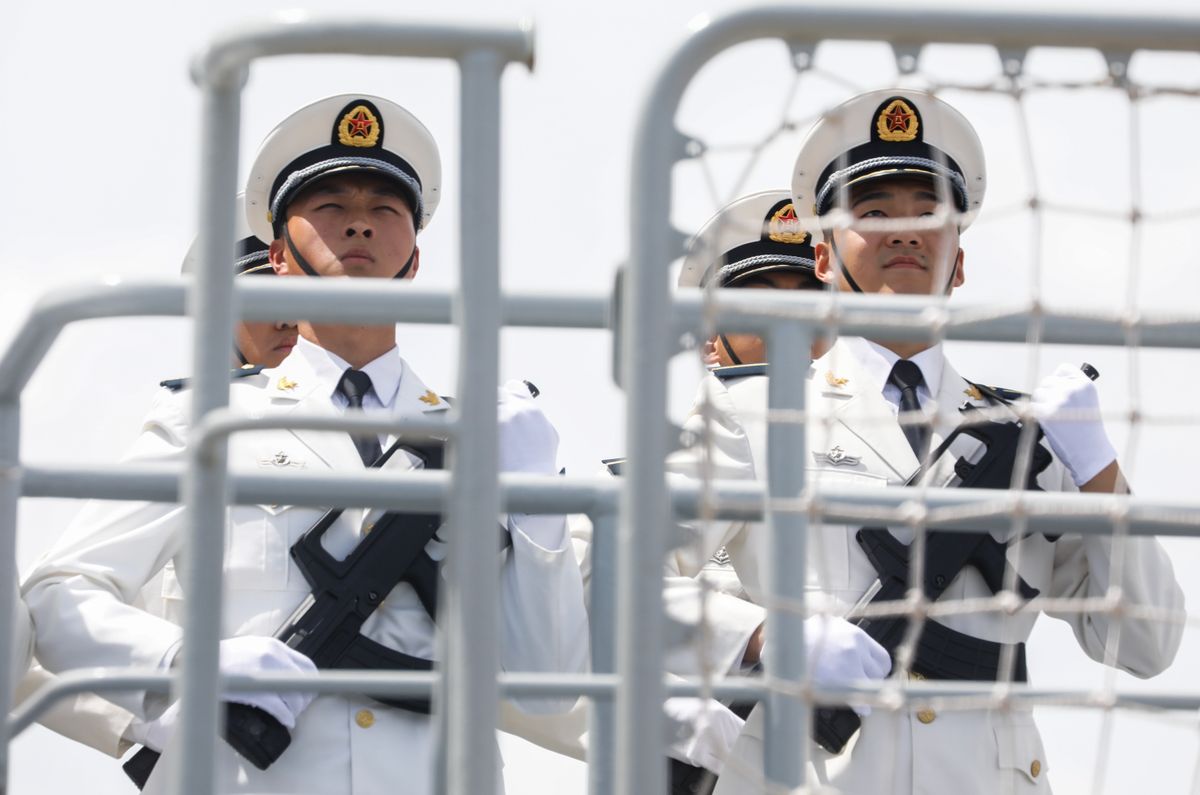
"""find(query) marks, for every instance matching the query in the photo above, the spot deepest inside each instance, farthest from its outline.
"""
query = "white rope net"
(1090, 209)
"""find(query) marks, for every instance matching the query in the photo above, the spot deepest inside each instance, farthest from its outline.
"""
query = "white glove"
(154, 734)
(706, 731)
(528, 442)
(1067, 406)
(840, 653)
(253, 654)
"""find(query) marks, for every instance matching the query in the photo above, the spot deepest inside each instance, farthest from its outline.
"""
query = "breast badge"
(838, 457)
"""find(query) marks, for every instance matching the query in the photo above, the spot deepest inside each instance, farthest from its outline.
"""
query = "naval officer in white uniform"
(902, 155)
(341, 188)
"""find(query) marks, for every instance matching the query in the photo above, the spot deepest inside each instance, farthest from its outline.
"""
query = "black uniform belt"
(943, 653)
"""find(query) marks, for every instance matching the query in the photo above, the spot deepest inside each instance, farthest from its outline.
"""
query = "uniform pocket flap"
(1019, 747)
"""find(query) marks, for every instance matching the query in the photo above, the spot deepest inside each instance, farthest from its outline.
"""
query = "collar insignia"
(973, 392)
(430, 398)
(835, 380)
(839, 457)
(897, 122)
(784, 227)
(286, 384)
(359, 127)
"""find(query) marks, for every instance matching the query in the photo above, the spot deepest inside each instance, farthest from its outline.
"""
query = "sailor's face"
(749, 348)
(355, 224)
(265, 344)
(912, 261)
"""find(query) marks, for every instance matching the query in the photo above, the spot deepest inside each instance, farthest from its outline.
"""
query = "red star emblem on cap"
(360, 124)
(897, 119)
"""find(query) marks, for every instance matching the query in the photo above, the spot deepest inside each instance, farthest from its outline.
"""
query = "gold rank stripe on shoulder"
(993, 394)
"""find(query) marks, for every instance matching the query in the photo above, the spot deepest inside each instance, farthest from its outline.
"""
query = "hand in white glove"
(705, 733)
(154, 734)
(528, 442)
(840, 653)
(1067, 406)
(253, 654)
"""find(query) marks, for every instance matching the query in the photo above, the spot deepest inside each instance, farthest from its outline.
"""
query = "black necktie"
(354, 385)
(907, 376)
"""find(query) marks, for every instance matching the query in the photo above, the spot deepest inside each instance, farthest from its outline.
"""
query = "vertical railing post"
(10, 491)
(786, 741)
(645, 348)
(204, 486)
(472, 618)
(602, 617)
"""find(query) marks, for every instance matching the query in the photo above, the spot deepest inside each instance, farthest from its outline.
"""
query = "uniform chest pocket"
(257, 543)
(829, 549)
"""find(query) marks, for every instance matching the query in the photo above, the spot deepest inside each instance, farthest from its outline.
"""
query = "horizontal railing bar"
(968, 510)
(1119, 31)
(389, 683)
(928, 319)
(221, 423)
(301, 33)
(898, 317)
(374, 301)
(416, 683)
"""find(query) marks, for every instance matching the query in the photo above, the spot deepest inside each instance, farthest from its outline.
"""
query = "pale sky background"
(101, 142)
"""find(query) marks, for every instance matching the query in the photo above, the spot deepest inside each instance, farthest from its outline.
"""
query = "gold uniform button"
(1036, 768)
(928, 716)
(365, 718)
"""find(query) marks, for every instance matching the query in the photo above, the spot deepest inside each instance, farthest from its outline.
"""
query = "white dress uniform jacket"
(854, 438)
(81, 592)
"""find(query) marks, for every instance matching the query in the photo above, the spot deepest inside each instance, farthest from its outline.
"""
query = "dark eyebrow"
(883, 194)
(755, 281)
(390, 191)
(327, 188)
(870, 196)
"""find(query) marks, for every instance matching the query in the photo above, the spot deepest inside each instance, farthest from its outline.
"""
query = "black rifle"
(325, 627)
(943, 653)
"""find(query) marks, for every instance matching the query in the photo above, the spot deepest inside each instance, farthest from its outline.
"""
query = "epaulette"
(999, 394)
(178, 384)
(740, 371)
(614, 465)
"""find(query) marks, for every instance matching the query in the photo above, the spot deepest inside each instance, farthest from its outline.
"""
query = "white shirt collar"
(877, 362)
(385, 371)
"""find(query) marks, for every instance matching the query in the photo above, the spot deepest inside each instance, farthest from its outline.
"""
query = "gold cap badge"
(973, 392)
(784, 227)
(430, 398)
(897, 122)
(359, 127)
